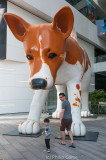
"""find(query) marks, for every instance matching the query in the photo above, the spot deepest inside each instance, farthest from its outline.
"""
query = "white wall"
(15, 94)
(90, 51)
(15, 50)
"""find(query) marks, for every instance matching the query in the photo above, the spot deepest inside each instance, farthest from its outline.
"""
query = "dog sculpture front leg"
(74, 96)
(31, 125)
(59, 88)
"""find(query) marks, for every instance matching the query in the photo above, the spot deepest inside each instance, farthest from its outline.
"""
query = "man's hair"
(61, 94)
(46, 120)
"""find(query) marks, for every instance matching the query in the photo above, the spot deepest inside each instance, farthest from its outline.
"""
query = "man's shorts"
(66, 123)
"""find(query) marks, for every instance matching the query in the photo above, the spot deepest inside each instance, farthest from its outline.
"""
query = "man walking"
(65, 119)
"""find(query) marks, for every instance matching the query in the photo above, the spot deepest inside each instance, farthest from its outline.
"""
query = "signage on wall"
(101, 24)
(90, 11)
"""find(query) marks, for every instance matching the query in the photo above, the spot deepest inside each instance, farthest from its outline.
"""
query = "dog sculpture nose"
(38, 83)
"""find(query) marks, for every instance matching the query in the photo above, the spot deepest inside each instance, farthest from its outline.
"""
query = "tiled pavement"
(29, 148)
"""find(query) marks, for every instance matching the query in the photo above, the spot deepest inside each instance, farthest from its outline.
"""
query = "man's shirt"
(67, 113)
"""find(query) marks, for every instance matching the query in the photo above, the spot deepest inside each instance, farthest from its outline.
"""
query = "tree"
(97, 96)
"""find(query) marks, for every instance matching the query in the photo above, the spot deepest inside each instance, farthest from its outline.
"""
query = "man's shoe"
(48, 150)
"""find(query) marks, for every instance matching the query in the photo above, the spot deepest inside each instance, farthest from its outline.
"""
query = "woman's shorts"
(66, 123)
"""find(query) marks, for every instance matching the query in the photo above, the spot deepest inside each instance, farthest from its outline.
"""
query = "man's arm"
(61, 115)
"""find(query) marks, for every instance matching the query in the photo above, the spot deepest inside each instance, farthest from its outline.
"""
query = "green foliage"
(97, 96)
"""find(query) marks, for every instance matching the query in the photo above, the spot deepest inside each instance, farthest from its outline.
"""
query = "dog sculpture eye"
(29, 57)
(52, 55)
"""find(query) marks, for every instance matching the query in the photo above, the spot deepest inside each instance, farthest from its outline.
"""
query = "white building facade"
(15, 94)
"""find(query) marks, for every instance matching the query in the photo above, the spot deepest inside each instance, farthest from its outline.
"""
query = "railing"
(98, 108)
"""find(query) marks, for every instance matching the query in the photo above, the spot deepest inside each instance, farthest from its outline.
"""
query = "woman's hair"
(61, 94)
(46, 120)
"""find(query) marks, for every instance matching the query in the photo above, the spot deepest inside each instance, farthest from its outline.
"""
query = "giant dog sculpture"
(54, 58)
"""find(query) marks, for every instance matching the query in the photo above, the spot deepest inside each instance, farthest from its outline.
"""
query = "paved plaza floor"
(30, 148)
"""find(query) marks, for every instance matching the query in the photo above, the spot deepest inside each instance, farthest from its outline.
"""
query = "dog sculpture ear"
(63, 21)
(17, 25)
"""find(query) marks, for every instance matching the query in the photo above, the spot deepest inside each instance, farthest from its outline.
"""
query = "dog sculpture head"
(44, 45)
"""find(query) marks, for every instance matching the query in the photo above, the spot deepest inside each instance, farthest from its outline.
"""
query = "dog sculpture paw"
(85, 113)
(29, 127)
(56, 114)
(78, 129)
